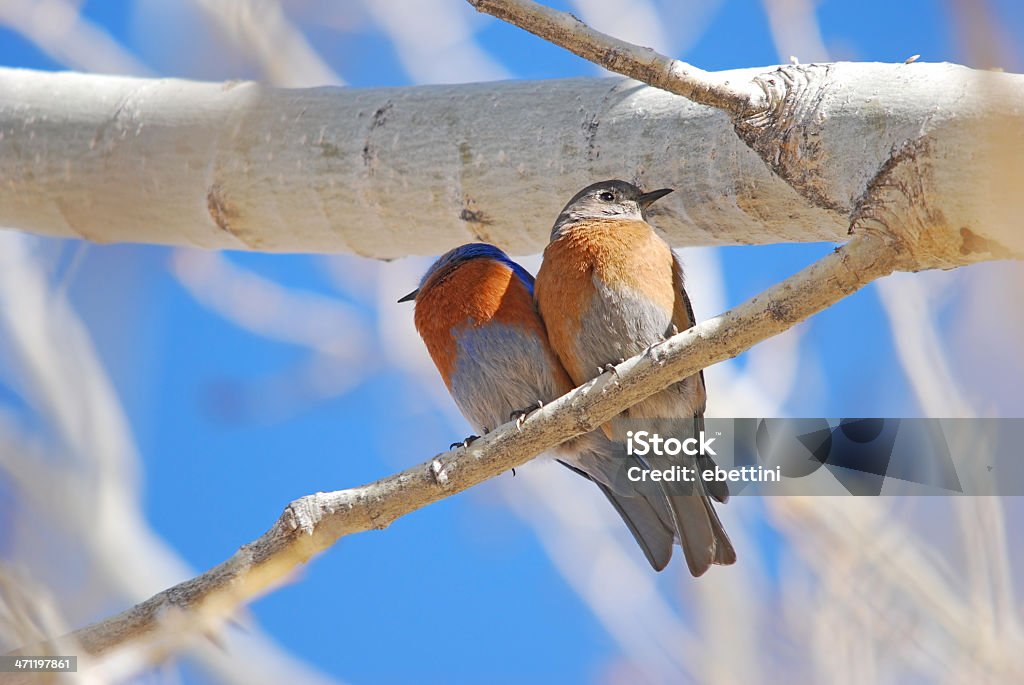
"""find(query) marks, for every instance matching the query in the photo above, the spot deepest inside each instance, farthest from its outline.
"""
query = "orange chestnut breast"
(470, 294)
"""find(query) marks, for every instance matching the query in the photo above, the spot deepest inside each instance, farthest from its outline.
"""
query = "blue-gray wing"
(644, 518)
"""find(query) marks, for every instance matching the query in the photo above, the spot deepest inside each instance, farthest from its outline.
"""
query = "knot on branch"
(438, 472)
(785, 133)
(302, 515)
(898, 203)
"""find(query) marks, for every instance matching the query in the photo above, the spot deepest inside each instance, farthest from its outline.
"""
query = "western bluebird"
(608, 289)
(476, 315)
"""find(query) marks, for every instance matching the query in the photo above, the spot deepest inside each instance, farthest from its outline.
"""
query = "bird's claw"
(465, 443)
(610, 368)
(649, 352)
(520, 414)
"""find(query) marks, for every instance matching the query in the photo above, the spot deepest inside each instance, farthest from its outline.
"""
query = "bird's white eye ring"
(606, 196)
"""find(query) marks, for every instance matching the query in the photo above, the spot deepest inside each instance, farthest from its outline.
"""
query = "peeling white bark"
(391, 172)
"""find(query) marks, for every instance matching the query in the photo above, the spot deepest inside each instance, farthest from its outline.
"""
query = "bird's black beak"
(411, 296)
(648, 199)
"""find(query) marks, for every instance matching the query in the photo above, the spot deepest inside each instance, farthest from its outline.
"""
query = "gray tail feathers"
(657, 512)
(703, 539)
(644, 520)
(701, 534)
(718, 489)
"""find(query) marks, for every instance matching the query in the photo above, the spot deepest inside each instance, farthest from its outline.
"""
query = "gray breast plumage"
(500, 369)
(620, 323)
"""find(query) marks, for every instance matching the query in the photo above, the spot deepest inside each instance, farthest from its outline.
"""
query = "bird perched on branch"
(476, 315)
(609, 288)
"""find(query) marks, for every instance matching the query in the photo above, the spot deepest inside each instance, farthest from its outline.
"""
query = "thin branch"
(740, 99)
(313, 523)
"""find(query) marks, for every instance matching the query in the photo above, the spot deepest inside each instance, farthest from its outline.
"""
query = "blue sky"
(464, 586)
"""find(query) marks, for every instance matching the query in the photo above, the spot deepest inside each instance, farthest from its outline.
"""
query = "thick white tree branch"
(391, 172)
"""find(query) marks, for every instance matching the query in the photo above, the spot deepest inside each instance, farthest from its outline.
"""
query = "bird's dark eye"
(606, 196)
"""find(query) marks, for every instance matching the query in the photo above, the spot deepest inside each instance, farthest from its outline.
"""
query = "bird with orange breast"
(609, 288)
(476, 314)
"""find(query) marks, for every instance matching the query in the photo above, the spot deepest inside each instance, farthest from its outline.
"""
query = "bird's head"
(607, 200)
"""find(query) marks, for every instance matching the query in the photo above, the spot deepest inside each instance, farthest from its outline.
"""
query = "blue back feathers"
(470, 251)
